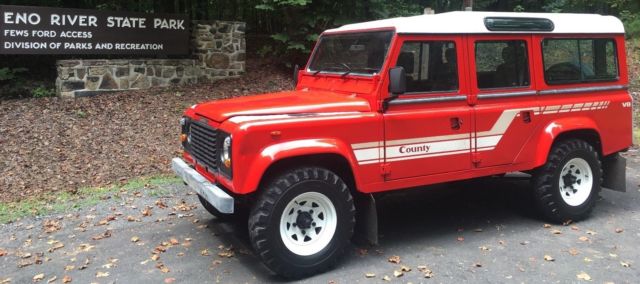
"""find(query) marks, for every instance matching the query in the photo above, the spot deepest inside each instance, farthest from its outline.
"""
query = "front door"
(428, 128)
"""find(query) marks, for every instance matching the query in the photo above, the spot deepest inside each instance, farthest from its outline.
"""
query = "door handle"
(456, 123)
(526, 116)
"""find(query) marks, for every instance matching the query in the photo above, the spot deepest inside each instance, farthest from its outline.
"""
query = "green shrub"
(7, 74)
(42, 92)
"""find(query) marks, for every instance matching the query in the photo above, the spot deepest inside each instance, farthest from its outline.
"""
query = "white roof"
(473, 23)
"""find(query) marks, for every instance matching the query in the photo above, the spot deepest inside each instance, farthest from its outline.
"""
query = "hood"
(291, 102)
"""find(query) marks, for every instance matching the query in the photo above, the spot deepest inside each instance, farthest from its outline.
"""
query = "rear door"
(506, 107)
(428, 129)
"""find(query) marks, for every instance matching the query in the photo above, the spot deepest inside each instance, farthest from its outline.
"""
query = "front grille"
(202, 145)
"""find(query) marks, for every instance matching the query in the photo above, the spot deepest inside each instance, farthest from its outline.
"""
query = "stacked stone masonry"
(218, 52)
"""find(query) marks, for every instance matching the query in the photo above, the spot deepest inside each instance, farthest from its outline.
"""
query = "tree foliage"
(292, 26)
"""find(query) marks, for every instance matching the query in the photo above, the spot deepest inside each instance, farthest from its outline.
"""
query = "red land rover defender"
(405, 102)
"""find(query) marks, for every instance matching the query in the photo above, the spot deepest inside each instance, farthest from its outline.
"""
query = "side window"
(502, 64)
(431, 66)
(579, 60)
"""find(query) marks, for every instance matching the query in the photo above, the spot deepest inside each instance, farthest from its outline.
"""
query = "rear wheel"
(567, 185)
(302, 222)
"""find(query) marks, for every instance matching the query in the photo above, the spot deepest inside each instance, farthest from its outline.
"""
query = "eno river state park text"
(13, 18)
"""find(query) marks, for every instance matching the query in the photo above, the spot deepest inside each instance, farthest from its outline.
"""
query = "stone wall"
(218, 52)
(220, 48)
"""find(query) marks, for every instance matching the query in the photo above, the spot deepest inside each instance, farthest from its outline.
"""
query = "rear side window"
(502, 64)
(579, 60)
(431, 66)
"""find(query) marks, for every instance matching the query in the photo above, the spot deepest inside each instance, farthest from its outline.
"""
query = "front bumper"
(215, 195)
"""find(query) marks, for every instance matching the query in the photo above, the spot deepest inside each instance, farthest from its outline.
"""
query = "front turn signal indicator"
(227, 163)
(183, 137)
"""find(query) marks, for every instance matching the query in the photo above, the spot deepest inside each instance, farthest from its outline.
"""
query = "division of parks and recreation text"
(42, 30)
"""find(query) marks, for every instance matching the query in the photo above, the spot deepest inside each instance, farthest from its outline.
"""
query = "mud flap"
(614, 169)
(366, 221)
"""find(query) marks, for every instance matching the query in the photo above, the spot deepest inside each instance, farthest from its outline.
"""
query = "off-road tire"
(275, 197)
(546, 181)
(219, 215)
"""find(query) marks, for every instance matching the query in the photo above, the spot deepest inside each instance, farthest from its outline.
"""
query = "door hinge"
(385, 169)
(476, 159)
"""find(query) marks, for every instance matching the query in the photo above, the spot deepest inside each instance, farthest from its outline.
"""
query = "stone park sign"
(200, 51)
(45, 30)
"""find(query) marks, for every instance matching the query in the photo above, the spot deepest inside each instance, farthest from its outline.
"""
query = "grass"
(61, 202)
(636, 136)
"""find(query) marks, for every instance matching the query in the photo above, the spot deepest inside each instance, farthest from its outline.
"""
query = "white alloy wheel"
(308, 223)
(576, 182)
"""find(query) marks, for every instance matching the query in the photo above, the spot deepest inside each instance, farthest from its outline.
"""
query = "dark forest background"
(287, 29)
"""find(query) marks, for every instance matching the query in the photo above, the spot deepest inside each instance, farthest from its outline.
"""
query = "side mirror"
(397, 81)
(296, 70)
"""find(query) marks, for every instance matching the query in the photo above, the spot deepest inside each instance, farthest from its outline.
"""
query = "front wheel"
(567, 185)
(302, 222)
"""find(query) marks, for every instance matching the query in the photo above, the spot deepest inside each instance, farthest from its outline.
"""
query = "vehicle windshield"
(361, 53)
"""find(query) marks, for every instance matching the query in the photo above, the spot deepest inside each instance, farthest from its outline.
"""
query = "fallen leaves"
(51, 226)
(38, 277)
(584, 276)
(426, 271)
(619, 230)
(86, 247)
(106, 234)
(163, 268)
(106, 220)
(583, 239)
(85, 264)
(147, 211)
(369, 275)
(3, 252)
(116, 126)
(556, 232)
(625, 264)
(135, 239)
(549, 258)
(100, 274)
(573, 251)
(56, 246)
(226, 251)
(66, 279)
(132, 219)
(394, 259)
(204, 252)
(397, 273)
(160, 204)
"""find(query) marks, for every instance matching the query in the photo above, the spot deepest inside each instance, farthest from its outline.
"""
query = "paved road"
(481, 231)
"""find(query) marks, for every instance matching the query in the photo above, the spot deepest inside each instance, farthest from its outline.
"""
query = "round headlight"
(225, 156)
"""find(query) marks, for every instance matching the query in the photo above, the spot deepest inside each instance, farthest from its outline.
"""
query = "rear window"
(579, 60)
(502, 64)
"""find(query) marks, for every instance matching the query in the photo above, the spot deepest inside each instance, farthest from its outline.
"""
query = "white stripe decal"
(444, 145)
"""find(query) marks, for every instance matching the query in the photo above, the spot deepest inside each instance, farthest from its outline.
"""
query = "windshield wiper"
(345, 65)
